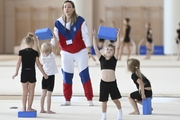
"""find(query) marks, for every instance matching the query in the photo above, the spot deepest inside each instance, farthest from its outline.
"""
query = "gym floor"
(162, 71)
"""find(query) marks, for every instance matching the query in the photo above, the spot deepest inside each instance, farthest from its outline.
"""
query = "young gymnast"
(142, 83)
(28, 56)
(178, 41)
(50, 68)
(108, 83)
(126, 38)
(149, 41)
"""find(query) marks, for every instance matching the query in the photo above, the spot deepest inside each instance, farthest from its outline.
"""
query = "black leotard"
(149, 36)
(127, 38)
(178, 32)
(108, 64)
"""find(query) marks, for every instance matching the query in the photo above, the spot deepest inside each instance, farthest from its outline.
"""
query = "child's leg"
(134, 105)
(49, 93)
(104, 109)
(31, 96)
(178, 51)
(121, 50)
(118, 105)
(44, 91)
(24, 95)
(129, 49)
(140, 102)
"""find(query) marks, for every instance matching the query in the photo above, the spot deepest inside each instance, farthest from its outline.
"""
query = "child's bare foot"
(23, 110)
(31, 110)
(147, 58)
(43, 111)
(134, 113)
(50, 112)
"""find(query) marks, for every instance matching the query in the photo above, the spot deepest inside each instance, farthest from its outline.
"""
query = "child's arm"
(40, 68)
(117, 45)
(17, 66)
(36, 44)
(95, 45)
(141, 86)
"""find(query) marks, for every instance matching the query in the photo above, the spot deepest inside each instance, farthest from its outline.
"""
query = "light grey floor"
(162, 71)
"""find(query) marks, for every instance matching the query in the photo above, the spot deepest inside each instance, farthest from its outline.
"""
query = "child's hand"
(143, 96)
(94, 33)
(118, 32)
(14, 76)
(46, 76)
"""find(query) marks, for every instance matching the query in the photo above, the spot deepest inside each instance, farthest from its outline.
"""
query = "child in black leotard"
(149, 41)
(178, 41)
(28, 56)
(142, 83)
(108, 83)
(126, 38)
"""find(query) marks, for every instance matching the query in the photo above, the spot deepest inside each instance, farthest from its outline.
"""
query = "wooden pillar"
(31, 18)
(2, 28)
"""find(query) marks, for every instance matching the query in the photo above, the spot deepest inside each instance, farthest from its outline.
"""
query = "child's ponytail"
(138, 73)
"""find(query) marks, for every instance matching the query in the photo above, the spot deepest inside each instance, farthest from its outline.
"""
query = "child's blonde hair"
(46, 48)
(28, 40)
(133, 65)
(111, 45)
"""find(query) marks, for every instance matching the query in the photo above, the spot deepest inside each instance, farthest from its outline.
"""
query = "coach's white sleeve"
(53, 42)
(85, 35)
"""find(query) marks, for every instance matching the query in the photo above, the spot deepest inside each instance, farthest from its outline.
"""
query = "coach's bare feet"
(134, 113)
(50, 112)
(43, 111)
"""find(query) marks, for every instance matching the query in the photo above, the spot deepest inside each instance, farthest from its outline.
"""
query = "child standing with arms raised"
(28, 56)
(108, 83)
(142, 83)
(50, 68)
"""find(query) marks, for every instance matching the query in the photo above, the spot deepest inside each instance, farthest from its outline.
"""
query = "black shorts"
(178, 41)
(28, 75)
(107, 88)
(137, 95)
(127, 40)
(48, 84)
(149, 40)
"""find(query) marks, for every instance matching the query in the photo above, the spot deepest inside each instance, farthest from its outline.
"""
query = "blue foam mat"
(26, 114)
(43, 33)
(147, 107)
(107, 33)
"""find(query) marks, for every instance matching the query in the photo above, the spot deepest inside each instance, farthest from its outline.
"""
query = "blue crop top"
(108, 64)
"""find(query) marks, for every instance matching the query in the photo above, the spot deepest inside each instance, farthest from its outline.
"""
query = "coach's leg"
(81, 59)
(67, 66)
